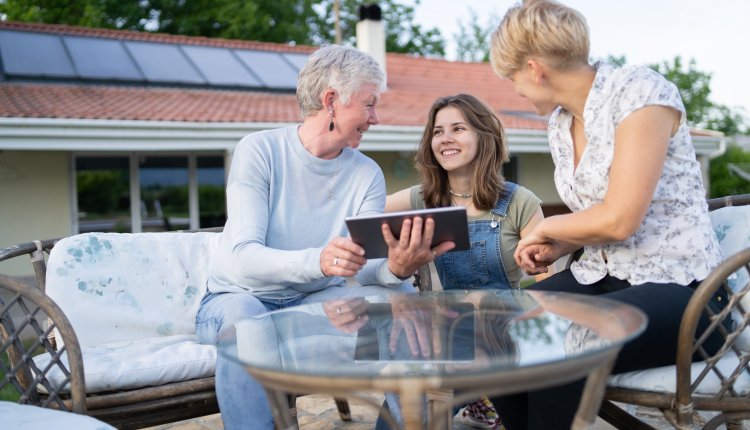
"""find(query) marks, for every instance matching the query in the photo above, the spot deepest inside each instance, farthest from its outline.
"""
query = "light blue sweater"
(280, 216)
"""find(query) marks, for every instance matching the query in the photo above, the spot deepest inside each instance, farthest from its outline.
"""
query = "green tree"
(724, 181)
(282, 21)
(695, 89)
(694, 86)
(401, 33)
(728, 121)
(473, 39)
(89, 13)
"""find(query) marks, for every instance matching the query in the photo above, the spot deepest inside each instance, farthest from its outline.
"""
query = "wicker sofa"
(108, 330)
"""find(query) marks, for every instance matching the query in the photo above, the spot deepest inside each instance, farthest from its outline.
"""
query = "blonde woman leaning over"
(626, 168)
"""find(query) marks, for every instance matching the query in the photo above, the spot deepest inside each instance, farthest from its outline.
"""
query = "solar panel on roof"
(270, 67)
(33, 54)
(101, 59)
(298, 60)
(163, 63)
(220, 66)
(29, 55)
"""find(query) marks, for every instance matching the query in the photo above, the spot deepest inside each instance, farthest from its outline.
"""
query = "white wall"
(34, 201)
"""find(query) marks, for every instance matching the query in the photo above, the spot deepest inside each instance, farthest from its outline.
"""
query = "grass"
(8, 391)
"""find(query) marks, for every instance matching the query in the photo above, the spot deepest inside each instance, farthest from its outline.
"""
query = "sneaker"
(480, 414)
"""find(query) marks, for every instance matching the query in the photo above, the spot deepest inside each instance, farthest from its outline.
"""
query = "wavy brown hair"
(492, 152)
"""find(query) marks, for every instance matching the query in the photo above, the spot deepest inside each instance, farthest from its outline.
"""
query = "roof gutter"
(55, 134)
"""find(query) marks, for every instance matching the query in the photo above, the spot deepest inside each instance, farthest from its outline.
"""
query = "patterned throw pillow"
(126, 286)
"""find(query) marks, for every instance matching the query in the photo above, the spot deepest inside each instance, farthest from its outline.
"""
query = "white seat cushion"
(140, 363)
(26, 417)
(664, 379)
(125, 286)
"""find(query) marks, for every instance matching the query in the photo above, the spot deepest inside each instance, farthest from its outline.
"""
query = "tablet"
(450, 224)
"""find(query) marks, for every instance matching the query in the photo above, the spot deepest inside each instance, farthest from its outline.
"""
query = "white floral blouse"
(675, 242)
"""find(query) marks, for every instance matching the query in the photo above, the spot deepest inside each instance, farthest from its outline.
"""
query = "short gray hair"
(341, 68)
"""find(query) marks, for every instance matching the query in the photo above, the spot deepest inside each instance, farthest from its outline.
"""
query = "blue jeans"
(242, 400)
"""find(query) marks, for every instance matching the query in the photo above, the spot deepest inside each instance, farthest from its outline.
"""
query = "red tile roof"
(413, 84)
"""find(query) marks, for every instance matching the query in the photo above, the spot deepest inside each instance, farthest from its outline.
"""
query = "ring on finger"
(338, 311)
(434, 254)
(336, 261)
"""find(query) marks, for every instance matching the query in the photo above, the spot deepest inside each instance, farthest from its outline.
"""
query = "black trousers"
(554, 408)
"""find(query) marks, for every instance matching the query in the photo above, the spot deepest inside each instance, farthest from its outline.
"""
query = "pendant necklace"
(331, 196)
(335, 176)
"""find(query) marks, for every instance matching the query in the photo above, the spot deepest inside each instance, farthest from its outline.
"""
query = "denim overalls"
(481, 267)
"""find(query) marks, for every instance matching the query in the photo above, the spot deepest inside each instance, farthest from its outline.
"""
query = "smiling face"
(352, 120)
(454, 142)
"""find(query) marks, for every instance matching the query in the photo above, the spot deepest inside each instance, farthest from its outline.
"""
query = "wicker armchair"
(32, 324)
(719, 385)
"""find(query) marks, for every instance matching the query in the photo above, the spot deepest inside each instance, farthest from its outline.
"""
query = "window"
(510, 169)
(103, 194)
(164, 193)
(211, 192)
(145, 192)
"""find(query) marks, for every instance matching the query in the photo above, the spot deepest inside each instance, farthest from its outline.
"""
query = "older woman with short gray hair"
(285, 241)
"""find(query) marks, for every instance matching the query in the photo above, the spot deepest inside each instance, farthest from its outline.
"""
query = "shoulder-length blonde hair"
(492, 152)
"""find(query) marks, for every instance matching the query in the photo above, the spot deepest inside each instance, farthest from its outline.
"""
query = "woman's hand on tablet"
(412, 248)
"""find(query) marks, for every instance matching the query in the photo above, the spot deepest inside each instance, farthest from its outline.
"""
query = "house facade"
(106, 130)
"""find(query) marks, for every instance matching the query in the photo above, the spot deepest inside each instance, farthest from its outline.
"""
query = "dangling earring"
(330, 124)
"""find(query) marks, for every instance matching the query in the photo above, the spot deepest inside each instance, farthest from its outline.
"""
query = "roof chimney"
(371, 33)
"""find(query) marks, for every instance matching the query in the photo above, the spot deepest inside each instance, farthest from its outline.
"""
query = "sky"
(714, 33)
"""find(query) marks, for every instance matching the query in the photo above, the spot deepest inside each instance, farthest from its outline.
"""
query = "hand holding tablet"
(450, 225)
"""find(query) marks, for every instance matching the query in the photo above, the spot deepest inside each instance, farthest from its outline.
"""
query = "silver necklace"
(463, 196)
(331, 196)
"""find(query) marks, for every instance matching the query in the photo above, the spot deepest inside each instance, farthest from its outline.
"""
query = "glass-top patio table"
(435, 349)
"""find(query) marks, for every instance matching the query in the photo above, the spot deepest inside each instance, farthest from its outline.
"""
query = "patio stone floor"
(318, 412)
